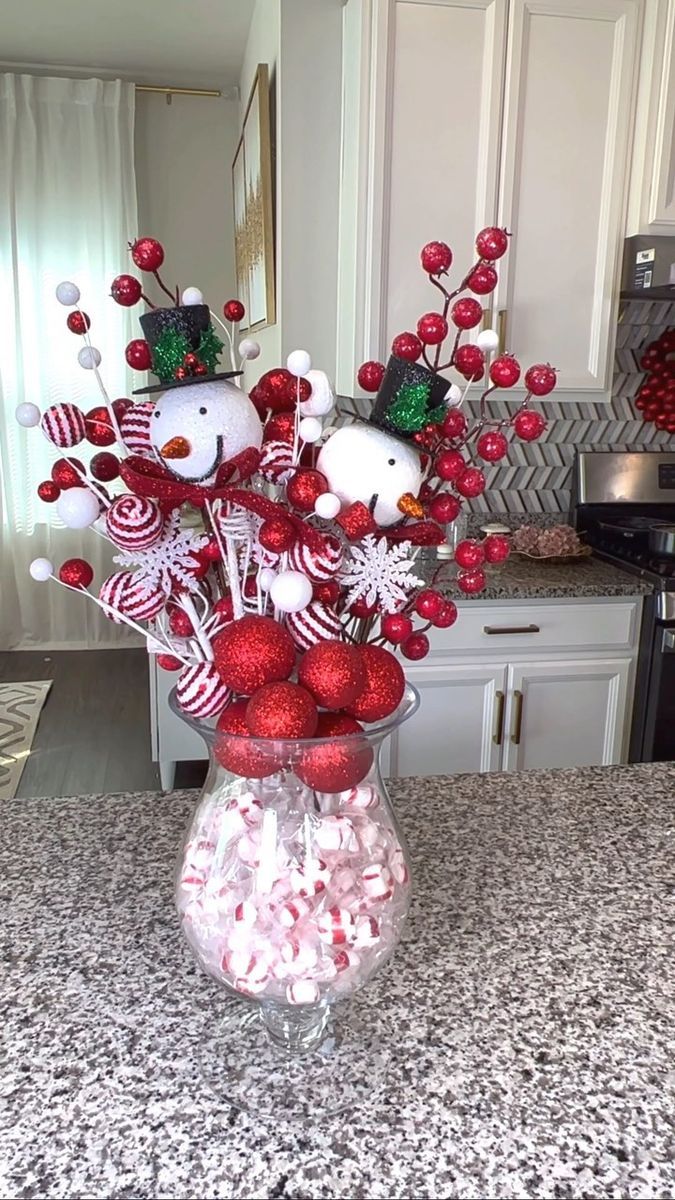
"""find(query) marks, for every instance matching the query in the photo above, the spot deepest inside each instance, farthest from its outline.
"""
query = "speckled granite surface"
(522, 579)
(532, 1001)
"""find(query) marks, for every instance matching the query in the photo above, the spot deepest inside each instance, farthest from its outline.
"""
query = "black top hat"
(173, 333)
(409, 398)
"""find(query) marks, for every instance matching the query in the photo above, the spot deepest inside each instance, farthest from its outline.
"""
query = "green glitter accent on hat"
(210, 349)
(410, 411)
(168, 354)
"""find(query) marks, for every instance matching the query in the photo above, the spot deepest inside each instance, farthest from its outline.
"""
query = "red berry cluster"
(656, 398)
(277, 391)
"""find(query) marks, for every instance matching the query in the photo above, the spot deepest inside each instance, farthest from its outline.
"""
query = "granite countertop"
(531, 1005)
(525, 579)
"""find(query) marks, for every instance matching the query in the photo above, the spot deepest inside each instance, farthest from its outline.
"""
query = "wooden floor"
(94, 730)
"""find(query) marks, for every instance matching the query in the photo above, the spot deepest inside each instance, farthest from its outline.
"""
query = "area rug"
(20, 708)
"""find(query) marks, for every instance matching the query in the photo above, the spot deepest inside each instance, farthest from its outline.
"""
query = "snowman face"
(363, 463)
(195, 428)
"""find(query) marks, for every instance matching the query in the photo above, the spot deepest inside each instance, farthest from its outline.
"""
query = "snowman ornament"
(196, 428)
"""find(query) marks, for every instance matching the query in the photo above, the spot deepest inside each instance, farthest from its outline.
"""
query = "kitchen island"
(531, 1005)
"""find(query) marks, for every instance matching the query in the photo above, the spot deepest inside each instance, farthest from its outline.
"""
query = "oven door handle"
(668, 643)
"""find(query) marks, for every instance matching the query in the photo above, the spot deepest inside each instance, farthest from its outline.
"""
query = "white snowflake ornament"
(169, 562)
(380, 574)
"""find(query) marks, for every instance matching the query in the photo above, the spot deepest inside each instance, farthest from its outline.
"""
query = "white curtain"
(67, 211)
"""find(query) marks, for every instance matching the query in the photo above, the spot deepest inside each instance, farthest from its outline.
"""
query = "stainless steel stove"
(618, 498)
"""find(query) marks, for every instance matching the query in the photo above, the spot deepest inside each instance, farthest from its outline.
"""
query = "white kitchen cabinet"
(566, 714)
(458, 726)
(172, 739)
(652, 190)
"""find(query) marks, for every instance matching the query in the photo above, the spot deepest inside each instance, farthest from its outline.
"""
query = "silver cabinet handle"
(669, 639)
(493, 629)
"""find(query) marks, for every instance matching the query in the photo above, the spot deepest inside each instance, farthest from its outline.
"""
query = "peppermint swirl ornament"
(318, 567)
(134, 522)
(64, 425)
(275, 461)
(124, 594)
(315, 623)
(135, 428)
(201, 692)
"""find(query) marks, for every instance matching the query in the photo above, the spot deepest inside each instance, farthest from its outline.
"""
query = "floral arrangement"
(281, 614)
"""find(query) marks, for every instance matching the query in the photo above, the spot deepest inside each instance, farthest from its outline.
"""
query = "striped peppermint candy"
(112, 591)
(64, 425)
(316, 623)
(201, 692)
(319, 567)
(135, 428)
(130, 599)
(134, 522)
(276, 458)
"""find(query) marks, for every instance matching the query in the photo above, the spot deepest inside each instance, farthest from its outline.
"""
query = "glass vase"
(292, 889)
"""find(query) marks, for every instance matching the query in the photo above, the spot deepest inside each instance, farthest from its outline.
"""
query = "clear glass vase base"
(253, 1071)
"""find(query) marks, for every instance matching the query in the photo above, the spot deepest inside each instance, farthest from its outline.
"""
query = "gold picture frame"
(253, 208)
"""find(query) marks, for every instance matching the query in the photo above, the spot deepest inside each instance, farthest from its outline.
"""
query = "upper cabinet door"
(568, 112)
(652, 195)
(434, 124)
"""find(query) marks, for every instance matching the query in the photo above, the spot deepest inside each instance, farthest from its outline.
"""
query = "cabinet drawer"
(498, 629)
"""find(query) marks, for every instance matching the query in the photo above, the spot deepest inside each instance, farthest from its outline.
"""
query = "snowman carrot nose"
(176, 447)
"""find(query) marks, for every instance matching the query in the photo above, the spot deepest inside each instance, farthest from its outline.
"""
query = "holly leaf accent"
(170, 350)
(210, 349)
(410, 410)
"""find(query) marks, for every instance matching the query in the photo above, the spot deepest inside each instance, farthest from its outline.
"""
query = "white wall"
(184, 153)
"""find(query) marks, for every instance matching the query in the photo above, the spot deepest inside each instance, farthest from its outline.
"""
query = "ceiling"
(188, 43)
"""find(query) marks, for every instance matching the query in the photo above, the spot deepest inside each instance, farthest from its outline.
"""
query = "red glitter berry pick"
(470, 553)
(466, 312)
(233, 310)
(281, 710)
(469, 360)
(370, 375)
(407, 345)
(483, 279)
(436, 258)
(447, 615)
(449, 465)
(492, 446)
(126, 290)
(278, 390)
(497, 548)
(415, 647)
(277, 535)
(76, 572)
(492, 242)
(48, 491)
(540, 379)
(529, 424)
(147, 253)
(471, 483)
(138, 355)
(454, 424)
(396, 627)
(428, 604)
(333, 673)
(444, 508)
(78, 322)
(169, 662)
(505, 371)
(68, 472)
(99, 427)
(471, 582)
(304, 488)
(432, 328)
(104, 466)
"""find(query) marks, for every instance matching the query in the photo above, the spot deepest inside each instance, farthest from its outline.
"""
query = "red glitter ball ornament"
(454, 424)
(99, 429)
(147, 253)
(278, 389)
(496, 547)
(361, 608)
(169, 662)
(280, 428)
(447, 615)
(436, 257)
(121, 406)
(428, 604)
(65, 473)
(333, 673)
(483, 279)
(281, 710)
(340, 763)
(126, 290)
(449, 465)
(466, 312)
(233, 310)
(225, 607)
(179, 623)
(432, 328)
(253, 651)
(277, 535)
(104, 466)
(469, 553)
(469, 360)
(232, 752)
(529, 425)
(471, 582)
(407, 345)
(78, 322)
(384, 687)
(444, 508)
(471, 483)
(76, 572)
(492, 242)
(326, 592)
(370, 375)
(138, 355)
(415, 647)
(211, 551)
(492, 445)
(48, 491)
(304, 488)
(540, 379)
(505, 371)
(396, 627)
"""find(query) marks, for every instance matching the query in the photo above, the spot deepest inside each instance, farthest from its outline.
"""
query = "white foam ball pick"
(310, 429)
(89, 358)
(78, 507)
(266, 578)
(41, 570)
(453, 394)
(27, 415)
(299, 362)
(327, 506)
(291, 591)
(192, 295)
(322, 399)
(488, 340)
(249, 349)
(67, 293)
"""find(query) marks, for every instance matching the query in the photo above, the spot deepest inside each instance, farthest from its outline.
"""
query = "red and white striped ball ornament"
(134, 522)
(121, 593)
(64, 425)
(275, 459)
(319, 567)
(315, 623)
(201, 692)
(135, 428)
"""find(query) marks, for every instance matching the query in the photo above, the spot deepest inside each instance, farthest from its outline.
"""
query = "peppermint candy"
(276, 458)
(64, 425)
(201, 692)
(316, 623)
(319, 567)
(135, 428)
(134, 522)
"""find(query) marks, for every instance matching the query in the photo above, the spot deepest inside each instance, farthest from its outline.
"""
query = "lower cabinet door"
(459, 723)
(566, 714)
